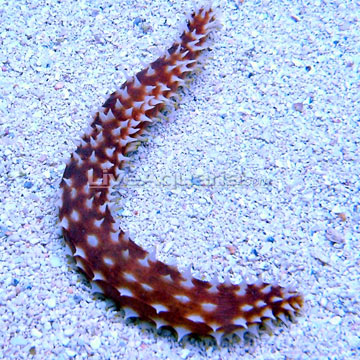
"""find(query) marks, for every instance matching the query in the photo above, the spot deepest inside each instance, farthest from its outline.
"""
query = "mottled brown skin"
(124, 271)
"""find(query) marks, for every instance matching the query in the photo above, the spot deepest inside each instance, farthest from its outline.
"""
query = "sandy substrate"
(257, 173)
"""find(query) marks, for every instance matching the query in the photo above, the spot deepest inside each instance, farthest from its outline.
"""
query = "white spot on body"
(147, 98)
(152, 254)
(260, 303)
(253, 329)
(73, 193)
(92, 142)
(87, 189)
(268, 313)
(80, 265)
(132, 131)
(208, 307)
(242, 290)
(108, 261)
(110, 151)
(95, 288)
(126, 236)
(183, 54)
(213, 289)
(287, 307)
(89, 203)
(103, 117)
(121, 157)
(177, 79)
(146, 287)
(144, 262)
(124, 93)
(283, 318)
(128, 112)
(106, 165)
(240, 321)
(98, 223)
(68, 182)
(80, 252)
(170, 68)
(159, 308)
(75, 215)
(167, 277)
(118, 104)
(187, 283)
(182, 298)
(129, 313)
(134, 123)
(114, 236)
(240, 333)
(93, 240)
(126, 254)
(90, 174)
(125, 292)
(110, 115)
(93, 157)
(129, 277)
(150, 71)
(196, 318)
(181, 331)
(154, 102)
(247, 307)
(136, 83)
(77, 157)
(144, 118)
(266, 289)
(132, 147)
(296, 306)
(116, 132)
(163, 87)
(159, 323)
(138, 104)
(68, 250)
(256, 319)
(65, 223)
(102, 207)
(98, 276)
(124, 124)
(127, 140)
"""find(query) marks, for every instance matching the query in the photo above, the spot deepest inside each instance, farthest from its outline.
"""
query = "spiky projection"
(129, 275)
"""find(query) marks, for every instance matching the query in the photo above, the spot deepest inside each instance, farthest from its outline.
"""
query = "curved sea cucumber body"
(129, 275)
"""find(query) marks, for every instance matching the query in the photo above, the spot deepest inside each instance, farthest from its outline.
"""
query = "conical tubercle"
(132, 277)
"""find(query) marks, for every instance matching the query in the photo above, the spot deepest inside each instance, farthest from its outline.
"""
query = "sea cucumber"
(132, 277)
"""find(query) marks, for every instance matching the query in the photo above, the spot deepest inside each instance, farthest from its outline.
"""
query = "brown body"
(133, 278)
